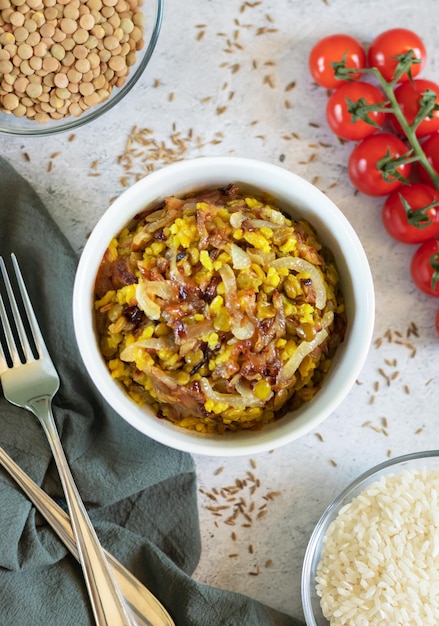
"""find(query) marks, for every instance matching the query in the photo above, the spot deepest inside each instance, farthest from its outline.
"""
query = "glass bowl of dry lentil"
(65, 63)
(223, 306)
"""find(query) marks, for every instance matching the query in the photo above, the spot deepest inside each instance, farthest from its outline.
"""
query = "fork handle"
(106, 599)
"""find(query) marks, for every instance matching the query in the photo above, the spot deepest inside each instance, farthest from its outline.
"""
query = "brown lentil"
(60, 57)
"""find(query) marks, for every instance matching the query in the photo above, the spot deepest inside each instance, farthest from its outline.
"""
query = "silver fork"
(31, 383)
(145, 609)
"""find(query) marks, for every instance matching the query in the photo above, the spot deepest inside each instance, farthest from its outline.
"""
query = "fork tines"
(18, 338)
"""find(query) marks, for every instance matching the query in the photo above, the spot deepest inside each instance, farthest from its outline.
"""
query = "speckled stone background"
(231, 78)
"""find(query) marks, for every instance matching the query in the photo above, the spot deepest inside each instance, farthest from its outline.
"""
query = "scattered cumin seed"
(384, 375)
(412, 330)
(49, 166)
(407, 389)
(218, 471)
(290, 86)
(250, 549)
(216, 509)
(26, 156)
(268, 563)
(390, 362)
(233, 555)
(72, 137)
(268, 80)
(212, 496)
(319, 437)
(233, 536)
(419, 431)
(333, 462)
(271, 495)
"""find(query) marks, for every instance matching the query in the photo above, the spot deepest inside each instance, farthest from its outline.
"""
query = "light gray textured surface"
(221, 78)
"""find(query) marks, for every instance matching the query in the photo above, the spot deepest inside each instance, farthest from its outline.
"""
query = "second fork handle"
(107, 602)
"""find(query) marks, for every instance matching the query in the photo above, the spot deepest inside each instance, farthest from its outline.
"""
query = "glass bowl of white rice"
(373, 558)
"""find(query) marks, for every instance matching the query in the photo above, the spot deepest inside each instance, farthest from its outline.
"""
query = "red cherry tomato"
(408, 95)
(401, 226)
(339, 118)
(431, 150)
(330, 50)
(362, 164)
(386, 47)
(424, 267)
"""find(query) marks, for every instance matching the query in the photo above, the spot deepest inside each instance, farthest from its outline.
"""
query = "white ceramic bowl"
(311, 602)
(153, 15)
(295, 196)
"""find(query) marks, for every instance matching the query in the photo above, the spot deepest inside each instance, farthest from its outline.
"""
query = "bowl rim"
(330, 513)
(116, 96)
(219, 170)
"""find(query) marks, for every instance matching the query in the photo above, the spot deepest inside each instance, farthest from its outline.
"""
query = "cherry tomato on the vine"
(388, 45)
(431, 151)
(362, 165)
(424, 267)
(402, 226)
(340, 120)
(408, 96)
(332, 49)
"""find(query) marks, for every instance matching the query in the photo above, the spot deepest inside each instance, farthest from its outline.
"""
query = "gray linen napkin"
(140, 494)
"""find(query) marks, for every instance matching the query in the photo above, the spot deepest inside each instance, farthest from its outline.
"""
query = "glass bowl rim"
(95, 112)
(331, 512)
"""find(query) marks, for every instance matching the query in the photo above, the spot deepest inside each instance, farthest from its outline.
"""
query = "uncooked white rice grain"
(379, 564)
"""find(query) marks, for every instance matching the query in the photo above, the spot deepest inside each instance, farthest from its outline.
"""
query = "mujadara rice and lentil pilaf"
(218, 310)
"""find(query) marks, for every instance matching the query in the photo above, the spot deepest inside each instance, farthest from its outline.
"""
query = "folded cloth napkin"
(140, 494)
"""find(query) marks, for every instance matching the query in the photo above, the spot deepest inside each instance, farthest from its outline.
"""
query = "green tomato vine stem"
(409, 130)
(406, 60)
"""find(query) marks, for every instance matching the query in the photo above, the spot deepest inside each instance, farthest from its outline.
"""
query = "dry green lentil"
(97, 41)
